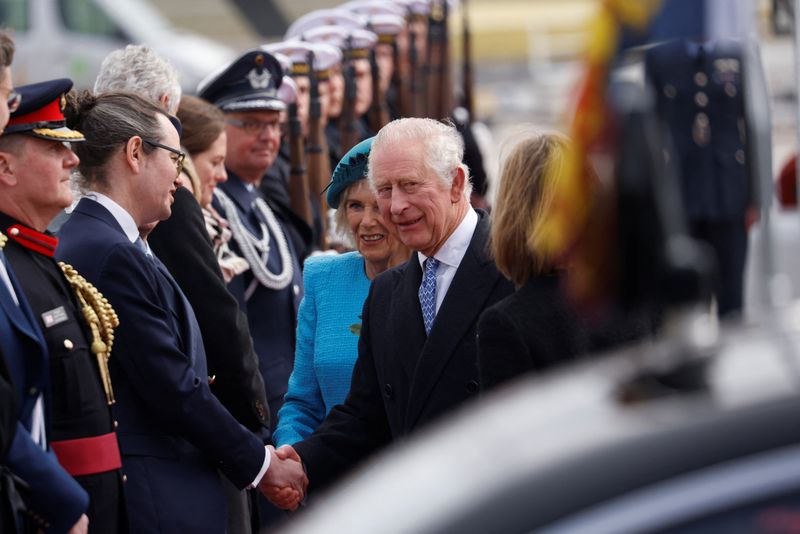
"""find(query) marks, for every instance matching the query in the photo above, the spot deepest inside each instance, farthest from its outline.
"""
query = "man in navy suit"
(54, 500)
(417, 355)
(174, 433)
(699, 92)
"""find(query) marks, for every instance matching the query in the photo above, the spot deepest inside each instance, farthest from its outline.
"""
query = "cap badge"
(63, 102)
(258, 80)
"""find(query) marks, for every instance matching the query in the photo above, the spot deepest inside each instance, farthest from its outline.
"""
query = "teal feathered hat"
(352, 168)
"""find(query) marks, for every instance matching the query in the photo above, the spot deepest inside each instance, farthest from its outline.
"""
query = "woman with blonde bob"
(534, 328)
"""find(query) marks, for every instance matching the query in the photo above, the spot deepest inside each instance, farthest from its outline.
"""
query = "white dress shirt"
(118, 212)
(451, 254)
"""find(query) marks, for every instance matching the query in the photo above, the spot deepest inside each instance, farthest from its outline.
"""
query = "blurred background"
(526, 53)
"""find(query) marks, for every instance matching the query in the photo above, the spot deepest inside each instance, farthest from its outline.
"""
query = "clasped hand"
(285, 482)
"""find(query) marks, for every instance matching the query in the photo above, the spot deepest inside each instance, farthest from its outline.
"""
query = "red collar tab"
(31, 239)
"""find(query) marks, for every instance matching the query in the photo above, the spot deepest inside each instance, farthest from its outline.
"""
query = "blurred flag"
(578, 220)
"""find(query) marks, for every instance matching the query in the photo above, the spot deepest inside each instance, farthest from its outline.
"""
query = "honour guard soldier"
(699, 95)
(77, 322)
(309, 66)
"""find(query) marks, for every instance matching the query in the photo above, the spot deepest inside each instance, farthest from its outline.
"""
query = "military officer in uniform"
(247, 92)
(35, 165)
(699, 95)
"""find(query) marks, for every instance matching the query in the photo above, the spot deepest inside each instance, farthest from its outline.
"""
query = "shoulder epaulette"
(31, 239)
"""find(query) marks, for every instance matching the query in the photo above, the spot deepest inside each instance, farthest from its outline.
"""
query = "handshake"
(285, 482)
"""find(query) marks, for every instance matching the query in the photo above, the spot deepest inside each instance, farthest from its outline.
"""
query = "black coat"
(403, 380)
(79, 408)
(530, 330)
(182, 244)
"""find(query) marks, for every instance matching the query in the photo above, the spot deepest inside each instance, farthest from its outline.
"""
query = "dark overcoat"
(404, 379)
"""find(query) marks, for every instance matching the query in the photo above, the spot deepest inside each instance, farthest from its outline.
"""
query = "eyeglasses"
(254, 127)
(14, 100)
(181, 155)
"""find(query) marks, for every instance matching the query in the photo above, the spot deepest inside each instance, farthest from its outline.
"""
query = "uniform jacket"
(403, 380)
(54, 498)
(699, 94)
(174, 433)
(79, 407)
(271, 314)
(182, 243)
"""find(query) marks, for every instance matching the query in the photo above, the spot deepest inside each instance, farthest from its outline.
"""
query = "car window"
(84, 16)
(14, 14)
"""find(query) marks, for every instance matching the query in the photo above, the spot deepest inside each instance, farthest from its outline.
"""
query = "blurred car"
(696, 432)
(70, 38)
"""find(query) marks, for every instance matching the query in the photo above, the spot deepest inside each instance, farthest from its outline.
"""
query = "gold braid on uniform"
(102, 319)
(3, 239)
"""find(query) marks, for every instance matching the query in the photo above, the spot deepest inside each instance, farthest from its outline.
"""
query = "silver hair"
(443, 148)
(138, 69)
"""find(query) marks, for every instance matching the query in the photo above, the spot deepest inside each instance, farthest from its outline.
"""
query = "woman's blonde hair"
(530, 174)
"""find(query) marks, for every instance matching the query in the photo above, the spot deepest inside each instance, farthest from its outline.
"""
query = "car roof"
(552, 445)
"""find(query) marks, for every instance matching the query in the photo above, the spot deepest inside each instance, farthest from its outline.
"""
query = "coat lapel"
(21, 316)
(409, 332)
(465, 300)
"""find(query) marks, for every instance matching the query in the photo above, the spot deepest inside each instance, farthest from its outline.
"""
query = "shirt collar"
(453, 250)
(123, 217)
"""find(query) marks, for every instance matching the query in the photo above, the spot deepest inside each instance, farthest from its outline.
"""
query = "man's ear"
(457, 188)
(7, 166)
(134, 153)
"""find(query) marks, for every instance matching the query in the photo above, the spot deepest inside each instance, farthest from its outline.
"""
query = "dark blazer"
(174, 433)
(8, 410)
(54, 498)
(402, 379)
(271, 314)
(79, 407)
(530, 330)
(700, 97)
(182, 243)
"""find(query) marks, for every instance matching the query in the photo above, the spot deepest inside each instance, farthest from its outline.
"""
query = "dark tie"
(427, 293)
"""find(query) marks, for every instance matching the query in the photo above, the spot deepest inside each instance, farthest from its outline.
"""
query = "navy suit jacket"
(402, 378)
(173, 431)
(55, 497)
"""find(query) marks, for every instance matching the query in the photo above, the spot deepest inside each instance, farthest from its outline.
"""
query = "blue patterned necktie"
(427, 293)
(141, 245)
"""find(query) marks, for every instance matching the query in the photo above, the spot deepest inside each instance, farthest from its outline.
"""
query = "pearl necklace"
(256, 251)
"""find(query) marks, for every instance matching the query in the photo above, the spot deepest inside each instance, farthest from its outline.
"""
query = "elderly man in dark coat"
(417, 351)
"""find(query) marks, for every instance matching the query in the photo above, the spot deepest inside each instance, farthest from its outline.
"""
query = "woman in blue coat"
(329, 318)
